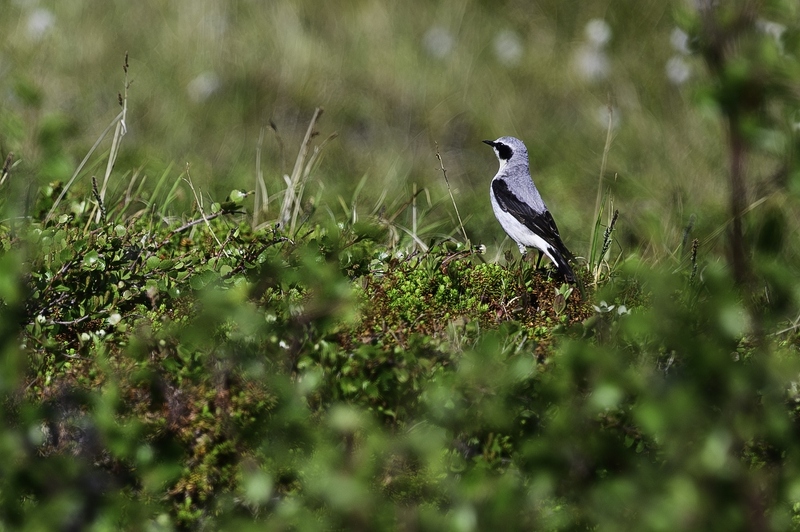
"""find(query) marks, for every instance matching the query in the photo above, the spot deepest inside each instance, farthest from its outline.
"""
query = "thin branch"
(450, 191)
(203, 219)
(71, 322)
(119, 132)
(261, 200)
(6, 168)
(200, 208)
(603, 162)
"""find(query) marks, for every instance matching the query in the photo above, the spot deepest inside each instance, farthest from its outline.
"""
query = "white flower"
(592, 63)
(677, 70)
(508, 47)
(39, 22)
(438, 42)
(772, 29)
(598, 32)
(679, 41)
(603, 307)
(203, 86)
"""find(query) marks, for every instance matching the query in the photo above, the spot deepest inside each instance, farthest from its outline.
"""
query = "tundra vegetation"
(298, 329)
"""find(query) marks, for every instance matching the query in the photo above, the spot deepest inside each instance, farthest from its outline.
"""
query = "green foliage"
(352, 373)
(199, 382)
(326, 382)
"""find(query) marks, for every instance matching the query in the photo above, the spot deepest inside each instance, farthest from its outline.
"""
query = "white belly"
(518, 232)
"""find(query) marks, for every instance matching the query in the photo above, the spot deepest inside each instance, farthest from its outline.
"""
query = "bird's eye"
(504, 151)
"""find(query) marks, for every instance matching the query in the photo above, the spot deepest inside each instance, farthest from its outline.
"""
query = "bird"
(520, 209)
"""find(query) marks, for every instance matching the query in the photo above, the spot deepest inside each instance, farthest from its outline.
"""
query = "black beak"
(489, 142)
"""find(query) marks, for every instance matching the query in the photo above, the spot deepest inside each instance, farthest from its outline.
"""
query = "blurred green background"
(675, 402)
(394, 79)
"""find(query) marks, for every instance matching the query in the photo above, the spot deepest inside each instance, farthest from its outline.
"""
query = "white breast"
(518, 232)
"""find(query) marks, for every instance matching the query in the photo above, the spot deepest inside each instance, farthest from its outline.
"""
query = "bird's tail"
(560, 259)
(563, 268)
(565, 271)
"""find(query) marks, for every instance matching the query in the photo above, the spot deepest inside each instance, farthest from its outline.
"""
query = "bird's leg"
(539, 260)
(522, 259)
(526, 257)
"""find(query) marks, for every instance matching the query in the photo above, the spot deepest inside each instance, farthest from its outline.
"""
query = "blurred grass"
(394, 79)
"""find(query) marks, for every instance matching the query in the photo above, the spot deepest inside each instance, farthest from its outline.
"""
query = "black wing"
(541, 223)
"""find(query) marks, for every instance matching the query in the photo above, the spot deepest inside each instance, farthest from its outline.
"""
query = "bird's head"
(508, 149)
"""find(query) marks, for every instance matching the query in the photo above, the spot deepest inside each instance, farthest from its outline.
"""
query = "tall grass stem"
(450, 191)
